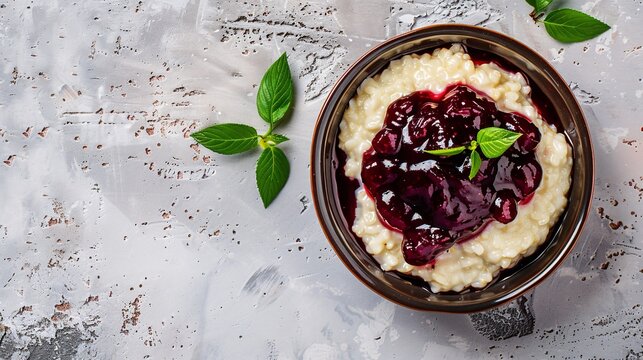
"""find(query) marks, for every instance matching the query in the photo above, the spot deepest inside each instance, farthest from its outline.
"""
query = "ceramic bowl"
(412, 292)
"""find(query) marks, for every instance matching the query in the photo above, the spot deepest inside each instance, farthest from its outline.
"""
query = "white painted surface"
(167, 253)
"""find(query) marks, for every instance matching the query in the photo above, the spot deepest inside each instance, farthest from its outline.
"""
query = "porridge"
(419, 213)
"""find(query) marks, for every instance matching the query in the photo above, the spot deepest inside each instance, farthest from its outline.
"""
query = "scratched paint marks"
(266, 285)
(131, 315)
(584, 96)
(407, 15)
(64, 332)
(574, 338)
(507, 321)
(81, 114)
(307, 31)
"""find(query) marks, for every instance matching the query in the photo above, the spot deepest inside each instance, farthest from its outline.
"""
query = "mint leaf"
(276, 139)
(272, 173)
(227, 138)
(275, 92)
(539, 5)
(475, 164)
(495, 141)
(446, 152)
(567, 25)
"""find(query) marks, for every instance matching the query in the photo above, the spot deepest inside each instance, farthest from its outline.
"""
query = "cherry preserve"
(429, 198)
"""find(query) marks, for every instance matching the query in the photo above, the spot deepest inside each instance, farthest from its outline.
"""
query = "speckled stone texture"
(120, 238)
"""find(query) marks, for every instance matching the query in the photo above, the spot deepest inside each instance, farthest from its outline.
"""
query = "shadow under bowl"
(414, 292)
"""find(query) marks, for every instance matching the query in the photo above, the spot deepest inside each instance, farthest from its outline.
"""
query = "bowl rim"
(527, 285)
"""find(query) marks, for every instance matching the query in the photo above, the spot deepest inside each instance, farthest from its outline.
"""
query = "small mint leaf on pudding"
(272, 173)
(475, 164)
(495, 141)
(275, 92)
(568, 26)
(227, 139)
(446, 152)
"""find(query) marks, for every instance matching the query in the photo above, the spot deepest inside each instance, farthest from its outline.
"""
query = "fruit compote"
(429, 198)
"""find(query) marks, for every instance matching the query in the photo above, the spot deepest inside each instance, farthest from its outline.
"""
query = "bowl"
(511, 283)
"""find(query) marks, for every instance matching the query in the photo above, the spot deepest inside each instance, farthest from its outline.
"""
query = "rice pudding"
(418, 213)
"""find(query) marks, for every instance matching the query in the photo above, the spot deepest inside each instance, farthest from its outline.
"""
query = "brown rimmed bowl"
(414, 293)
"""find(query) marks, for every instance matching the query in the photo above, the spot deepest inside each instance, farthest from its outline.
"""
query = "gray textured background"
(120, 238)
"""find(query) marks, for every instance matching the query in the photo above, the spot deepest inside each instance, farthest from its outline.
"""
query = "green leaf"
(275, 92)
(567, 25)
(475, 164)
(276, 139)
(272, 173)
(446, 152)
(495, 141)
(539, 5)
(227, 138)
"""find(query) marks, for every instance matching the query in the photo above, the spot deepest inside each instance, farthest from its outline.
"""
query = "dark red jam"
(430, 198)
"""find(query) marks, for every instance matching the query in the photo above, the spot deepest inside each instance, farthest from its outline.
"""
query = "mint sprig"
(492, 141)
(567, 25)
(274, 99)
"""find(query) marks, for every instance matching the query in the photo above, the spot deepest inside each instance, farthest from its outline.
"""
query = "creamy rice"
(475, 262)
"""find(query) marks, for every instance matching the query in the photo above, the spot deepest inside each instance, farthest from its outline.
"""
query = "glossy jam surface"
(429, 198)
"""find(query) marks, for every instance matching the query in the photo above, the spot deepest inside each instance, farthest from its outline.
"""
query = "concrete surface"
(122, 239)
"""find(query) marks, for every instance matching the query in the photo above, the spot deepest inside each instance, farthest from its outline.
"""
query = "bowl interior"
(407, 290)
